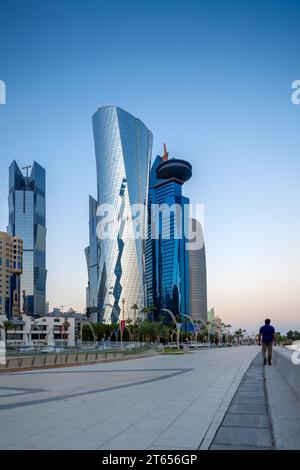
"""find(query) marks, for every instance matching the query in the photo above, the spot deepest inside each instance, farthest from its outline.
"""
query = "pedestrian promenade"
(161, 402)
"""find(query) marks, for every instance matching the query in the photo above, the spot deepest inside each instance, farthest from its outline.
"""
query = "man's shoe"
(269, 363)
(265, 362)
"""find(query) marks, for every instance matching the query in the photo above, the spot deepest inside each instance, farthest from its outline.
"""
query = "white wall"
(286, 362)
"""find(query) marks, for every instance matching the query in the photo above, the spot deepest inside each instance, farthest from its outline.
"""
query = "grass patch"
(170, 351)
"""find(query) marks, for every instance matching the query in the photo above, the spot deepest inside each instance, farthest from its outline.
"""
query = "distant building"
(167, 272)
(27, 220)
(211, 315)
(42, 331)
(197, 278)
(92, 256)
(11, 267)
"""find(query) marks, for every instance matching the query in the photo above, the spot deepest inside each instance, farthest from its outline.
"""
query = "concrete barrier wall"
(72, 358)
(48, 360)
(12, 363)
(283, 360)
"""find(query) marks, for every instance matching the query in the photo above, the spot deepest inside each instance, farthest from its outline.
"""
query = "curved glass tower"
(123, 146)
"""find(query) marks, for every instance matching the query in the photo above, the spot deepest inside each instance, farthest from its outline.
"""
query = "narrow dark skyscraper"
(92, 256)
(197, 277)
(27, 220)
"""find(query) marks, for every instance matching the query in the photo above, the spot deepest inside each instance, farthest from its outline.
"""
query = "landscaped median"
(73, 358)
(169, 351)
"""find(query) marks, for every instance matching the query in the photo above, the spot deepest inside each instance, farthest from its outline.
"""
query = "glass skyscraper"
(167, 273)
(27, 220)
(123, 146)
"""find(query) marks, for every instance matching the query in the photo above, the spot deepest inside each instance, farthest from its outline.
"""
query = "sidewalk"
(247, 423)
(263, 415)
(285, 411)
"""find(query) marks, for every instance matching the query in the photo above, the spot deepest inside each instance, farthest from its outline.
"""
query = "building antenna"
(26, 168)
(166, 154)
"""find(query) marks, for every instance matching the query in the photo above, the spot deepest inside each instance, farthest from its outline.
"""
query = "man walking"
(267, 338)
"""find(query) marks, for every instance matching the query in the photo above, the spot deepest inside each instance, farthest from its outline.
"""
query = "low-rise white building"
(48, 330)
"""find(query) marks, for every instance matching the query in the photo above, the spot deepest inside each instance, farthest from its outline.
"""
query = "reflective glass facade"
(167, 276)
(27, 220)
(197, 276)
(123, 146)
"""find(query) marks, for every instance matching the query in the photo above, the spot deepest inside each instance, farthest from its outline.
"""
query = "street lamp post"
(114, 310)
(192, 322)
(178, 325)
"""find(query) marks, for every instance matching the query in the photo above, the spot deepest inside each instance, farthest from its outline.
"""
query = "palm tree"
(88, 312)
(144, 311)
(66, 325)
(164, 332)
(239, 334)
(135, 307)
(149, 309)
(6, 325)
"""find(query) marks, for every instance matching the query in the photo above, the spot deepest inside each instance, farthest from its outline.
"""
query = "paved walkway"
(247, 423)
(285, 411)
(162, 402)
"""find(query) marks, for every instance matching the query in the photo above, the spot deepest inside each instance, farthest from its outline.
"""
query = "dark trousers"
(267, 346)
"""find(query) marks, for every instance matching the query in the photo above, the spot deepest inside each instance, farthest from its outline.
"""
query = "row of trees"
(293, 335)
(288, 338)
(148, 330)
(139, 331)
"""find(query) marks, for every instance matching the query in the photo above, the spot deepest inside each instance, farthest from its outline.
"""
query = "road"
(161, 402)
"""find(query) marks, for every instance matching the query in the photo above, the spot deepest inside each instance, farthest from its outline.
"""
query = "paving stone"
(250, 390)
(253, 383)
(246, 421)
(249, 399)
(223, 447)
(256, 393)
(255, 377)
(243, 437)
(252, 409)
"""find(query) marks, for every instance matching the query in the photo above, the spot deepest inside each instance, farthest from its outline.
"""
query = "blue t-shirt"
(267, 333)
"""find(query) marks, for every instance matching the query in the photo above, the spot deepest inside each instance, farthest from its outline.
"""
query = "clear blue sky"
(213, 80)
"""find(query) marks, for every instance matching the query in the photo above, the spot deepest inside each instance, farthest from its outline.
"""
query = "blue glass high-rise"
(27, 220)
(123, 146)
(167, 273)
